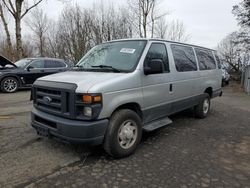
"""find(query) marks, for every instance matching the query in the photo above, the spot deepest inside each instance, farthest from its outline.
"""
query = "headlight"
(87, 111)
(88, 106)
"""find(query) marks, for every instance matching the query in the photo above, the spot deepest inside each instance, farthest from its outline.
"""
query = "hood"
(4, 61)
(83, 80)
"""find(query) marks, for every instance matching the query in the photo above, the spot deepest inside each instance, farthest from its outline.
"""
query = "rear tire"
(202, 109)
(9, 85)
(123, 134)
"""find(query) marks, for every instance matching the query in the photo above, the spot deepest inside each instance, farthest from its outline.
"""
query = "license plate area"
(42, 131)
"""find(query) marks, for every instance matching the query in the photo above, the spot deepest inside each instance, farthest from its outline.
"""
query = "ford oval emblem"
(47, 99)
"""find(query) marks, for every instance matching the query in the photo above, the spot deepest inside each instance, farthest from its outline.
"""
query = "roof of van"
(162, 40)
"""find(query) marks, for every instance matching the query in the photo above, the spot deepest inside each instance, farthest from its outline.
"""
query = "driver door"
(157, 87)
(34, 71)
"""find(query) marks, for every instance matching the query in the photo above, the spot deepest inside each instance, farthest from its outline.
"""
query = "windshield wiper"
(107, 66)
(78, 67)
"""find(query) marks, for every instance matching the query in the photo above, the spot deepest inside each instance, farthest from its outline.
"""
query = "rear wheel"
(202, 109)
(123, 134)
(9, 85)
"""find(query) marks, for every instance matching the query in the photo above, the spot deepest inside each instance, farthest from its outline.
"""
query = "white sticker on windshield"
(127, 50)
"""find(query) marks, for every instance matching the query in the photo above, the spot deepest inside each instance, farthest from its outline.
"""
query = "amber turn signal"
(87, 98)
(97, 98)
(91, 99)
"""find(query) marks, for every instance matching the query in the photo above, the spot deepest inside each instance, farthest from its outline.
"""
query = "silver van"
(121, 88)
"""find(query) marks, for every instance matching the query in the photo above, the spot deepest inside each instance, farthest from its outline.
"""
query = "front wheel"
(202, 109)
(123, 134)
(9, 85)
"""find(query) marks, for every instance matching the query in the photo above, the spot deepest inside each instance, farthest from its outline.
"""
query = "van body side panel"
(187, 89)
(186, 86)
(209, 78)
(119, 91)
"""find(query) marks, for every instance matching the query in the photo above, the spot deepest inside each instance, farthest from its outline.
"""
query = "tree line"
(79, 28)
(234, 49)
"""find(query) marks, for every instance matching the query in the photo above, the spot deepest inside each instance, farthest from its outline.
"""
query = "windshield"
(122, 56)
(22, 63)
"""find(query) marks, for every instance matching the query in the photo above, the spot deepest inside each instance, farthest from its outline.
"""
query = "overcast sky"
(207, 21)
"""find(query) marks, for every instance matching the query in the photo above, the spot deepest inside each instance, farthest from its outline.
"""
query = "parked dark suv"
(24, 72)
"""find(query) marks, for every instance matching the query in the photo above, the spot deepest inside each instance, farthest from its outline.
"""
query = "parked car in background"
(120, 88)
(225, 77)
(24, 72)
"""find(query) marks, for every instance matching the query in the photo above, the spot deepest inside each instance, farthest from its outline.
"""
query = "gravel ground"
(214, 152)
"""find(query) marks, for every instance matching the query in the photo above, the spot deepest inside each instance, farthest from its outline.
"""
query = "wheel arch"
(209, 91)
(131, 106)
(13, 76)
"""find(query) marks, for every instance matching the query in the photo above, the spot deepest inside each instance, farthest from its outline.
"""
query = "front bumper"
(74, 131)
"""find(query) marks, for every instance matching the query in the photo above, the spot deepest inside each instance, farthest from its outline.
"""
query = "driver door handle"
(171, 88)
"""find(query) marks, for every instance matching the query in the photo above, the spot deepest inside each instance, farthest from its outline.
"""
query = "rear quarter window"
(184, 58)
(205, 59)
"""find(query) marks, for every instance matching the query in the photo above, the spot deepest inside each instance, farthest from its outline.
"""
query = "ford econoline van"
(121, 88)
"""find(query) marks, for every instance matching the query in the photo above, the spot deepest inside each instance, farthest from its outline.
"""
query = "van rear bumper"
(74, 131)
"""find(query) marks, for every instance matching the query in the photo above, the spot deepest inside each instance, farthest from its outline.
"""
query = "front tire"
(123, 134)
(9, 85)
(202, 109)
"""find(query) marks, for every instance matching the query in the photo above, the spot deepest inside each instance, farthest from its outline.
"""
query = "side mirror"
(29, 68)
(155, 66)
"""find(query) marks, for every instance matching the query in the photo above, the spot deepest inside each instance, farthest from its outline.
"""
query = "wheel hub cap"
(127, 134)
(205, 106)
(10, 85)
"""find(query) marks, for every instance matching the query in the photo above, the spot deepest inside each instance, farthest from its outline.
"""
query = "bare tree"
(161, 28)
(51, 35)
(110, 23)
(39, 24)
(79, 29)
(146, 7)
(146, 14)
(234, 53)
(242, 13)
(9, 53)
(177, 31)
(73, 33)
(18, 9)
(174, 30)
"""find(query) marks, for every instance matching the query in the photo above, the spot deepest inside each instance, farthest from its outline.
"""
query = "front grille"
(55, 100)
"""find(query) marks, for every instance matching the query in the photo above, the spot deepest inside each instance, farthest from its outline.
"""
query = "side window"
(158, 51)
(60, 64)
(205, 59)
(184, 58)
(217, 60)
(37, 64)
(53, 64)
